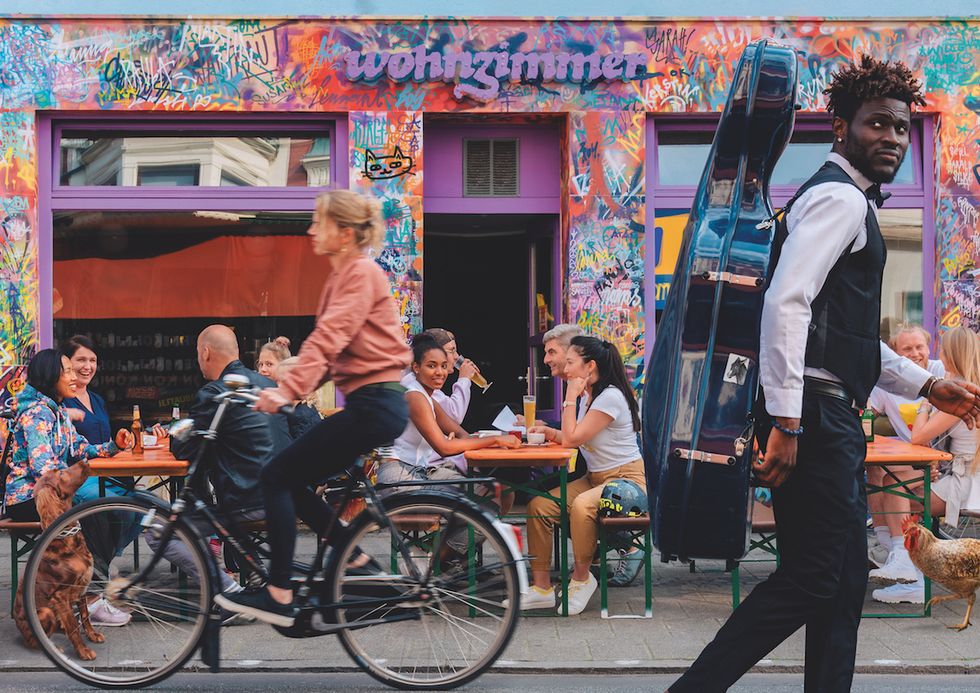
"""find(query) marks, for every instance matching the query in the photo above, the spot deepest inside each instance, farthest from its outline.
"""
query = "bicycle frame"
(357, 485)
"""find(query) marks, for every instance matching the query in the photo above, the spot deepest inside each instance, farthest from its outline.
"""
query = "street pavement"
(361, 683)
(688, 608)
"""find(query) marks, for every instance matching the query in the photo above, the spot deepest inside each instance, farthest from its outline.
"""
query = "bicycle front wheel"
(446, 612)
(168, 608)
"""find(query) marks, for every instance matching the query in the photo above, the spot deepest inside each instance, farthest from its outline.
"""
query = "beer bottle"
(137, 429)
(868, 424)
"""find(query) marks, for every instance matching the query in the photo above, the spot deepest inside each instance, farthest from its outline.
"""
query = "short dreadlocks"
(872, 79)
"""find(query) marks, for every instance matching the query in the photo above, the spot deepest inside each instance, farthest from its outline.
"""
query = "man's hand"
(773, 468)
(958, 398)
(468, 369)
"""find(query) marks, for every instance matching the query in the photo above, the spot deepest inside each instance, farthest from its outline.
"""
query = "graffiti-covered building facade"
(157, 175)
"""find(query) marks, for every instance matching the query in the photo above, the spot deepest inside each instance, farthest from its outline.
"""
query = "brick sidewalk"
(687, 610)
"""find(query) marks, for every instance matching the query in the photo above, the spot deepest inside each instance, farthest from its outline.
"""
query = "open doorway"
(483, 274)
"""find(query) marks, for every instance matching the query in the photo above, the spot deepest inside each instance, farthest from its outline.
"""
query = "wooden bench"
(23, 537)
(763, 525)
(639, 527)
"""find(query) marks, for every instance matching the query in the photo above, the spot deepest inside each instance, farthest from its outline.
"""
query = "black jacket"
(247, 441)
(302, 420)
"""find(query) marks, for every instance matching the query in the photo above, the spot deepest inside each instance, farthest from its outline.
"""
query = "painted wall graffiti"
(616, 71)
(386, 161)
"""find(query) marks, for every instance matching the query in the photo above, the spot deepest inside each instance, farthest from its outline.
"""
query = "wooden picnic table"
(531, 456)
(159, 462)
(894, 452)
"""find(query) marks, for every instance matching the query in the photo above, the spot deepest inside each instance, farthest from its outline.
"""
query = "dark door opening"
(479, 285)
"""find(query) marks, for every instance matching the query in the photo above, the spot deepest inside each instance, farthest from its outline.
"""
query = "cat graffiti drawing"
(387, 165)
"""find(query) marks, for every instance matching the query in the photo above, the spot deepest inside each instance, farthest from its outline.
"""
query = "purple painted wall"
(539, 174)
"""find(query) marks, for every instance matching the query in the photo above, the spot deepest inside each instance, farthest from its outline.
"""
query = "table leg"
(927, 521)
(563, 509)
(101, 487)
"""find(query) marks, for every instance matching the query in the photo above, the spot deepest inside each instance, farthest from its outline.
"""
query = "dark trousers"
(820, 583)
(372, 416)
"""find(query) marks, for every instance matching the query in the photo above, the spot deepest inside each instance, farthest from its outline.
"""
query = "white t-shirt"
(410, 447)
(886, 402)
(615, 444)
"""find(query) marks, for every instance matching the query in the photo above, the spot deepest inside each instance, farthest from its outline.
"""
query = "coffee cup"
(535, 438)
(149, 440)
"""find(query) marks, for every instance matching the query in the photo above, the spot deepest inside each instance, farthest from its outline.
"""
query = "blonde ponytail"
(360, 213)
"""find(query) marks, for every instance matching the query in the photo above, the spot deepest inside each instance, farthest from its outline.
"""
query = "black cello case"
(703, 377)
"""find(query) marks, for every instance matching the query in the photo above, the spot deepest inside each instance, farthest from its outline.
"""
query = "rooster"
(954, 563)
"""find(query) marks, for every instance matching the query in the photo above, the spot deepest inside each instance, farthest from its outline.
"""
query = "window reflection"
(901, 288)
(195, 160)
(682, 154)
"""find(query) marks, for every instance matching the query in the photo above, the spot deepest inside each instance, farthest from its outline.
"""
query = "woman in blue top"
(88, 412)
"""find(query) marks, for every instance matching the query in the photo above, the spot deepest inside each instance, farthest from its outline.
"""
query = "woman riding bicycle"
(358, 342)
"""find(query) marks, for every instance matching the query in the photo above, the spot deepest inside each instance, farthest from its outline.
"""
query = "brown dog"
(66, 567)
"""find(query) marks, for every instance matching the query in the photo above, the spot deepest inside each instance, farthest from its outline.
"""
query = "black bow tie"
(874, 193)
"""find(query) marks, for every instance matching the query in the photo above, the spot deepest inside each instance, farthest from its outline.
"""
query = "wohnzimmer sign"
(478, 74)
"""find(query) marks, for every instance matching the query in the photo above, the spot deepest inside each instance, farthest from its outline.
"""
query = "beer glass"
(530, 405)
(477, 378)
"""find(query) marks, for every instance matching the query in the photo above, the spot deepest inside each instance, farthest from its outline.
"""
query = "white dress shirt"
(821, 224)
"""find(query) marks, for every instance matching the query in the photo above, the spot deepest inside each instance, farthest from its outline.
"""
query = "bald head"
(217, 346)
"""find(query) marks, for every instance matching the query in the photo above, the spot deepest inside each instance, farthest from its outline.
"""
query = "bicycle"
(416, 618)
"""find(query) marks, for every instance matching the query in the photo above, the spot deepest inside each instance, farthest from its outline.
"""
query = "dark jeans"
(372, 416)
(820, 583)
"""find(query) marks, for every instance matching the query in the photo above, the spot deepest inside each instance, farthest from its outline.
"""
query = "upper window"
(681, 155)
(96, 158)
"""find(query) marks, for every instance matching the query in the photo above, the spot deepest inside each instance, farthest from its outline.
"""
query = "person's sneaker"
(629, 568)
(230, 618)
(102, 613)
(260, 604)
(877, 552)
(535, 598)
(579, 594)
(898, 568)
(914, 593)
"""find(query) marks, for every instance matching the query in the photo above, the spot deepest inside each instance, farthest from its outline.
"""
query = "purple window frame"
(908, 196)
(52, 196)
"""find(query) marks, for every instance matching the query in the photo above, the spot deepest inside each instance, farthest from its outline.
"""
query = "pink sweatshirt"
(357, 339)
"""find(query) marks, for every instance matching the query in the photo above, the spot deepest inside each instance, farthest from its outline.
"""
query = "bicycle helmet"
(622, 498)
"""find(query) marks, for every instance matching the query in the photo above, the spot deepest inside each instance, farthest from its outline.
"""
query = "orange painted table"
(160, 462)
(885, 452)
(530, 456)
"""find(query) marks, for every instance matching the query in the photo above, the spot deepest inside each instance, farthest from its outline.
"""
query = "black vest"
(845, 315)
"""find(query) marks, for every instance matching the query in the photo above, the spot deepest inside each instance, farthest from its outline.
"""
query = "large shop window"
(154, 238)
(677, 155)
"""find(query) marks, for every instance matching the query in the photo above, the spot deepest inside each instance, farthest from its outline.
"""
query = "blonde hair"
(908, 327)
(360, 213)
(279, 348)
(961, 350)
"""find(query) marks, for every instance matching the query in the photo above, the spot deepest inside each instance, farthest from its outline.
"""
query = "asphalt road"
(355, 683)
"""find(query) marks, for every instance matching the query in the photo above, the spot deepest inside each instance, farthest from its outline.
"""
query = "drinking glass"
(477, 378)
(530, 405)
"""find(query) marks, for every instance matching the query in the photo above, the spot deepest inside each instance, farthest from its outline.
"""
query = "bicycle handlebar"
(249, 395)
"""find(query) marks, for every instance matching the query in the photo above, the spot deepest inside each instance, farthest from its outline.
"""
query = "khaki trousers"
(583, 499)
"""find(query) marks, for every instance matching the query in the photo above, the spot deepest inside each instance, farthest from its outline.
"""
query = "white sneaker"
(877, 552)
(898, 568)
(914, 593)
(579, 594)
(535, 598)
(102, 613)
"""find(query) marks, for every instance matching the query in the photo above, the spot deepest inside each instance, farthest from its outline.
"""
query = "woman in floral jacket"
(44, 438)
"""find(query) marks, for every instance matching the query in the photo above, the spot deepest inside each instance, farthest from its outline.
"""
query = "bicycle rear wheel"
(169, 609)
(452, 606)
